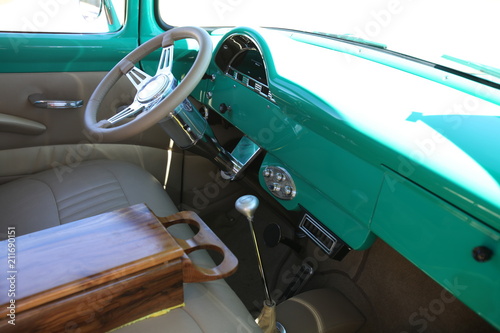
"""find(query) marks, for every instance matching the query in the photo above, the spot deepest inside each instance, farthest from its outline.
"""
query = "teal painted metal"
(439, 239)
(344, 186)
(345, 182)
(376, 128)
(149, 26)
(323, 206)
(46, 52)
(113, 20)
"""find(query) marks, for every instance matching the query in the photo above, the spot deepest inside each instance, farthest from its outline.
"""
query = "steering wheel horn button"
(153, 89)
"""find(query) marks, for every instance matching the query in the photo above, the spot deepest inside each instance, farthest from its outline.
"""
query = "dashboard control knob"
(268, 172)
(275, 187)
(223, 108)
(482, 253)
(280, 177)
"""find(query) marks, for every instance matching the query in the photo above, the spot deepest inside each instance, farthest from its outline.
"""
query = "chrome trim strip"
(247, 80)
(39, 101)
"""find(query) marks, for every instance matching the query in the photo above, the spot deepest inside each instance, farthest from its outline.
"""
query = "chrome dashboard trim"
(229, 68)
(245, 80)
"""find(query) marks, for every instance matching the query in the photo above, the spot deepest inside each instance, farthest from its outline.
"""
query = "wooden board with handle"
(102, 272)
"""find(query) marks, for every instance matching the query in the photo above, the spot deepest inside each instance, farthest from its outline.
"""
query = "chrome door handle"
(40, 101)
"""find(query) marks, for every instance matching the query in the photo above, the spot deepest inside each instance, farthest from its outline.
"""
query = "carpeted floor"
(394, 295)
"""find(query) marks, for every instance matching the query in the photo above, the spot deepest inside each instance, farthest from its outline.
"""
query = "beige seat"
(319, 311)
(51, 198)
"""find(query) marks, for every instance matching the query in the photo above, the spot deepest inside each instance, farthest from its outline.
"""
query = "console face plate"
(279, 182)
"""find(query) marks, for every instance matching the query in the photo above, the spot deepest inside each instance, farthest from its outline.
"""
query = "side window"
(62, 16)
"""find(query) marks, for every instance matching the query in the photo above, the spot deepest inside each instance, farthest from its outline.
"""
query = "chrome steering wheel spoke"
(166, 61)
(138, 77)
(132, 110)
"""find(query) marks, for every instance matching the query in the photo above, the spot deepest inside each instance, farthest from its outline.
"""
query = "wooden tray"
(99, 273)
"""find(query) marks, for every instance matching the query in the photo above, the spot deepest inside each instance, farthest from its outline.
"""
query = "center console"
(100, 273)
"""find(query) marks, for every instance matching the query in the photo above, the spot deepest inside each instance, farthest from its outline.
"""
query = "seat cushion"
(63, 195)
(58, 196)
(319, 311)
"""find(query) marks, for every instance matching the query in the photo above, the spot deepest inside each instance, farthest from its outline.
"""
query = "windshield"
(426, 29)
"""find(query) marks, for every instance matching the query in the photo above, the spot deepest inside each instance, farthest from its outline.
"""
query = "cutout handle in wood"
(204, 239)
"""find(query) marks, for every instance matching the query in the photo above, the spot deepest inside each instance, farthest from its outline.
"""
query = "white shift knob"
(247, 205)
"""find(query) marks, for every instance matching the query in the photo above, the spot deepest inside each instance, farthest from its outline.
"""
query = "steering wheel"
(156, 96)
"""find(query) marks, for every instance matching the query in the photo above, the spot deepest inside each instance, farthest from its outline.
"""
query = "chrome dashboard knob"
(280, 177)
(275, 187)
(268, 172)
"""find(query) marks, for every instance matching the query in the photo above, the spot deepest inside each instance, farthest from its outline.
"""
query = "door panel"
(60, 66)
(64, 140)
(63, 126)
(65, 66)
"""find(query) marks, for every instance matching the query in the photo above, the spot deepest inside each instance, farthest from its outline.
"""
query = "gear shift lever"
(247, 205)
